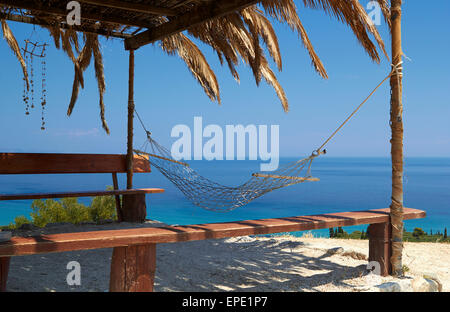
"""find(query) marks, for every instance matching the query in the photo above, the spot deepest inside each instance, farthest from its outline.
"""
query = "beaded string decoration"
(30, 51)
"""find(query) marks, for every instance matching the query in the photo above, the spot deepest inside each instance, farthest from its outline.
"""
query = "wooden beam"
(182, 3)
(18, 246)
(81, 194)
(274, 176)
(27, 5)
(84, 29)
(160, 157)
(196, 16)
(134, 7)
(117, 198)
(37, 163)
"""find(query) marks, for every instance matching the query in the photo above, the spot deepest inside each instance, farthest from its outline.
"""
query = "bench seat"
(171, 234)
(80, 194)
(131, 207)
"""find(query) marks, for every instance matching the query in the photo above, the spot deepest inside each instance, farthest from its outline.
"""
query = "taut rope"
(396, 70)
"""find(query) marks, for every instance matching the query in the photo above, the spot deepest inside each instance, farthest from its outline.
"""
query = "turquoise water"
(346, 184)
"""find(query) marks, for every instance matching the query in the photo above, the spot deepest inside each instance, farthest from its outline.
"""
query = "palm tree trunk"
(396, 208)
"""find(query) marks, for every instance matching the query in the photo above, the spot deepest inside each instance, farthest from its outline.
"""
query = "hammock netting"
(213, 196)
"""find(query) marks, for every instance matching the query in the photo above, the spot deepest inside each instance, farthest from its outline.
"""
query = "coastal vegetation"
(68, 210)
(417, 235)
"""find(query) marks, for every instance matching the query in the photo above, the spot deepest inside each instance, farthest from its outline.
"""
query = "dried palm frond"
(12, 42)
(82, 62)
(232, 41)
(196, 62)
(99, 74)
(67, 41)
(353, 14)
(285, 11)
(73, 38)
(236, 37)
(385, 9)
(265, 30)
(55, 33)
(271, 79)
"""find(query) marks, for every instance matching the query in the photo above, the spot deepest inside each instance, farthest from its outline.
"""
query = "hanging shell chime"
(32, 50)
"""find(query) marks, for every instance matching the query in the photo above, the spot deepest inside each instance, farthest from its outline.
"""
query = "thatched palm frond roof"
(237, 30)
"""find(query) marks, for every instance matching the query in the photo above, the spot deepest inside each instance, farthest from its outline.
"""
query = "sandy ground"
(281, 263)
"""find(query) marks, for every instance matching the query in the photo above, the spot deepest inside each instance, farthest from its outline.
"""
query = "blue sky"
(166, 94)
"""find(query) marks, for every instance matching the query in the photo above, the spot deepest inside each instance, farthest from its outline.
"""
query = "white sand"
(236, 264)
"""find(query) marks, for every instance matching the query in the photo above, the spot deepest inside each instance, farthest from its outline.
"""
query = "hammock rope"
(213, 196)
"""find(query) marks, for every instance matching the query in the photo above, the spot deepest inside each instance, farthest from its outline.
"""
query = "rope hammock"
(213, 196)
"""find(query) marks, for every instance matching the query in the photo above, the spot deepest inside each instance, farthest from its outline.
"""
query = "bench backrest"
(38, 163)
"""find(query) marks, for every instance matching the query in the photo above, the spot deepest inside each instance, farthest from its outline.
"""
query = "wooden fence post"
(4, 268)
(134, 208)
(380, 248)
(133, 268)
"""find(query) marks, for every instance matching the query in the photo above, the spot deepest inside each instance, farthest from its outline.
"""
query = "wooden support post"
(133, 268)
(134, 208)
(130, 121)
(396, 208)
(380, 246)
(117, 197)
(4, 269)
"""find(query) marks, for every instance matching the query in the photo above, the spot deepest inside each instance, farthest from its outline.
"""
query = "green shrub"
(47, 211)
(418, 232)
(102, 208)
(331, 230)
(75, 211)
(68, 210)
(19, 221)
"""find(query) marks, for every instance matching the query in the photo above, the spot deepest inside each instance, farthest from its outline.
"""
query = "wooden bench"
(33, 163)
(134, 256)
(132, 207)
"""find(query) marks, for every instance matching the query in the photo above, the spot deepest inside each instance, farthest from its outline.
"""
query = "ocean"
(346, 184)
